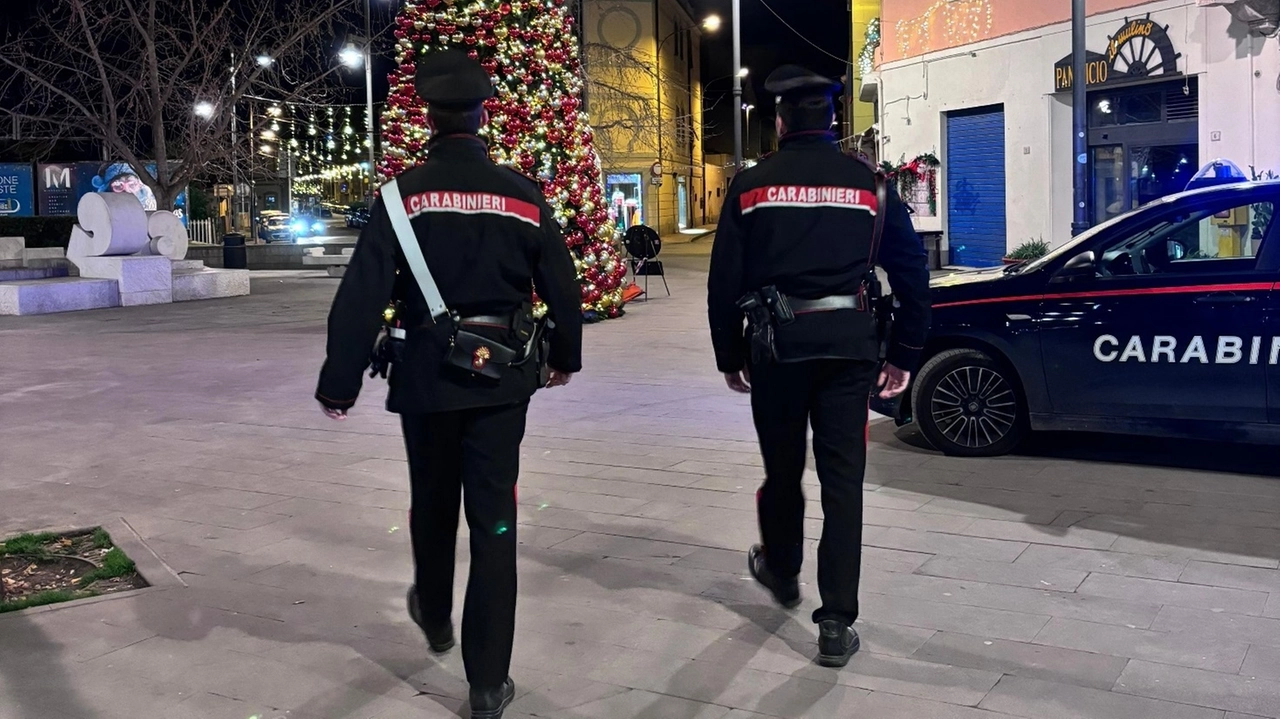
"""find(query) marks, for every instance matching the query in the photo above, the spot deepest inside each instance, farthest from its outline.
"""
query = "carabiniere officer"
(488, 237)
(794, 255)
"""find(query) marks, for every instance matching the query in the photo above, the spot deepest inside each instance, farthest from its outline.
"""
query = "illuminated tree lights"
(538, 126)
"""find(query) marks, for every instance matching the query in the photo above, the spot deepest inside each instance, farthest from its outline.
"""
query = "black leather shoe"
(836, 643)
(785, 591)
(439, 638)
(490, 703)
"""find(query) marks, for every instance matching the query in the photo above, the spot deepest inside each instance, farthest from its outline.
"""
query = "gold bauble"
(501, 32)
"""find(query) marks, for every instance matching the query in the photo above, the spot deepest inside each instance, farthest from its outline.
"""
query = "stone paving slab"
(1086, 577)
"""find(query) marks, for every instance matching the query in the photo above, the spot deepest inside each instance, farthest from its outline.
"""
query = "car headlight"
(299, 227)
(318, 228)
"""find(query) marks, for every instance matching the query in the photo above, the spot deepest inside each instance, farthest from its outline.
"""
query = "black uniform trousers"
(471, 455)
(832, 396)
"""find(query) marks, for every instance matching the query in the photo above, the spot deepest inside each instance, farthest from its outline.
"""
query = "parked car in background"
(274, 227)
(1164, 321)
(357, 216)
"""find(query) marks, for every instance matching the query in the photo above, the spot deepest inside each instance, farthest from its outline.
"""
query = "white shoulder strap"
(394, 203)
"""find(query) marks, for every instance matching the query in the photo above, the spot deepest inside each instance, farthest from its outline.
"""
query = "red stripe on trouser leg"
(516, 491)
(866, 433)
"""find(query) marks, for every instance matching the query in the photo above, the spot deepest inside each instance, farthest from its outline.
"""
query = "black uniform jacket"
(488, 237)
(802, 220)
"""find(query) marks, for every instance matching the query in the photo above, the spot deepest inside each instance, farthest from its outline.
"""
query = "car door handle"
(1225, 299)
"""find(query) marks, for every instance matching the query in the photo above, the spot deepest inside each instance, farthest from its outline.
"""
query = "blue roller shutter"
(975, 174)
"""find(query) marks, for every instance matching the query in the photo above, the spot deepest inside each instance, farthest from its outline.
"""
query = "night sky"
(766, 45)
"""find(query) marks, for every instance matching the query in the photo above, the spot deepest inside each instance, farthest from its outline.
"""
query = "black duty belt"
(487, 321)
(826, 304)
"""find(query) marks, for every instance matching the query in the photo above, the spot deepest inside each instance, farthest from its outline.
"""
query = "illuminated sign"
(17, 191)
(1139, 49)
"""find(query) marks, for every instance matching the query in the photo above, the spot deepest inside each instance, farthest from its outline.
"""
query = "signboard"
(1141, 48)
(17, 191)
(60, 186)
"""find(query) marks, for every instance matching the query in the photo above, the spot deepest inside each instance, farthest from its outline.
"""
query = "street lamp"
(265, 61)
(737, 84)
(711, 23)
(204, 110)
(351, 56)
(748, 108)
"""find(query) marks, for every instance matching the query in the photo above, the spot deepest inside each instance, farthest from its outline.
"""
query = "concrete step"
(188, 265)
(19, 274)
(209, 283)
(61, 294)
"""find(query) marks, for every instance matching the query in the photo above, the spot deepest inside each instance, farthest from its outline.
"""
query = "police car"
(1163, 321)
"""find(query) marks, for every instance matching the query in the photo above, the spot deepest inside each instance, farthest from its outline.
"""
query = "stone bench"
(335, 264)
(14, 254)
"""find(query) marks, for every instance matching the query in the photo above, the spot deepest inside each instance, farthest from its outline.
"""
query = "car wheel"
(969, 405)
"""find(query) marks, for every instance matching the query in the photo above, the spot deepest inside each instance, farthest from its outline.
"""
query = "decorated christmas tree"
(538, 124)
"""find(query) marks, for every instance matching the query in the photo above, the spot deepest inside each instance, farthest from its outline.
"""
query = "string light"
(963, 22)
(867, 57)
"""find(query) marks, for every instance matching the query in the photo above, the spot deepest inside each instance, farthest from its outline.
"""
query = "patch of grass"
(101, 539)
(32, 544)
(55, 596)
(114, 565)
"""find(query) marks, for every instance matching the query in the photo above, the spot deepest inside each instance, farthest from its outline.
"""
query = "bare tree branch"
(129, 75)
(625, 113)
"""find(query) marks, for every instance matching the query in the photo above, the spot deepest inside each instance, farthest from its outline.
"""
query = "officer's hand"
(558, 378)
(739, 382)
(892, 382)
(338, 415)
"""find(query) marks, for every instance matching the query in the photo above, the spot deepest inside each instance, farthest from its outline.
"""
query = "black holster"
(871, 295)
(765, 311)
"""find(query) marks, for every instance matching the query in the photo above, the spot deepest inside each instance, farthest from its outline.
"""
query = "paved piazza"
(1087, 578)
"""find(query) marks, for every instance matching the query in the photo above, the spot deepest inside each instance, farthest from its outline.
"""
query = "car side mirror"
(1081, 268)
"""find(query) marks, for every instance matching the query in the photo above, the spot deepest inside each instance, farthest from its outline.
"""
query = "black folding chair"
(644, 245)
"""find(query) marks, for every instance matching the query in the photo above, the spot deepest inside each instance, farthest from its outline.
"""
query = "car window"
(1214, 239)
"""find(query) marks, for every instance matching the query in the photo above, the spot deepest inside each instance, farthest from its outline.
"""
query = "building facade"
(644, 97)
(985, 87)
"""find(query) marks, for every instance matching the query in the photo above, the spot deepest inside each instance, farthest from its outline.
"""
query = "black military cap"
(452, 80)
(794, 84)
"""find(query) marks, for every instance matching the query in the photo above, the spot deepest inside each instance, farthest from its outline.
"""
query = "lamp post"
(748, 108)
(737, 85)
(368, 90)
(1079, 120)
(353, 57)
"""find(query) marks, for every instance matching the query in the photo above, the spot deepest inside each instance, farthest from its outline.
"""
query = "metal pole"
(1079, 120)
(253, 166)
(234, 205)
(737, 85)
(848, 85)
(368, 81)
(657, 215)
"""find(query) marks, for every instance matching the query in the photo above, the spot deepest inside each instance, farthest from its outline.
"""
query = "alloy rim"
(974, 407)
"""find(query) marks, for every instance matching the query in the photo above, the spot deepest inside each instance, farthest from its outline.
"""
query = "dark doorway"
(1143, 144)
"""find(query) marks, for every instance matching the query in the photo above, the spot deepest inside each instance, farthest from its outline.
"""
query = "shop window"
(1126, 108)
(626, 200)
